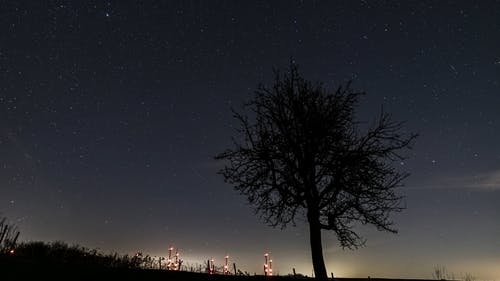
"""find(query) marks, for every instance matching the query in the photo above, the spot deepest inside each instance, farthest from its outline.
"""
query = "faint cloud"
(479, 181)
(488, 181)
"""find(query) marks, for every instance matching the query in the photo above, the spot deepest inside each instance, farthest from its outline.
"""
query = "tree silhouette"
(300, 152)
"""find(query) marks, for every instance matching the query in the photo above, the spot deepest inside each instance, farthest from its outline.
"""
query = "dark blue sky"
(111, 113)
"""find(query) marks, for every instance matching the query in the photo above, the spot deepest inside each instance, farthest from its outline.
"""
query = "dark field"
(19, 269)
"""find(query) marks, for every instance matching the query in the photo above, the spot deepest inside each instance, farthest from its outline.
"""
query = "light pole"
(268, 265)
(169, 261)
(226, 268)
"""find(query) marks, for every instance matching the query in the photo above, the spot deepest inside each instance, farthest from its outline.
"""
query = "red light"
(11, 251)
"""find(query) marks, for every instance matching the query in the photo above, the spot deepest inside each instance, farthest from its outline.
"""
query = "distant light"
(12, 251)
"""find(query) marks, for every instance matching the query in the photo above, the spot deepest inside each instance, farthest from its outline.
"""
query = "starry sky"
(111, 113)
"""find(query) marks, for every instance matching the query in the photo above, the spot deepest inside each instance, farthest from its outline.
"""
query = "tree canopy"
(300, 152)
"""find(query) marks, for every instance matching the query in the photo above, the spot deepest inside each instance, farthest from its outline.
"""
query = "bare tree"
(440, 273)
(300, 152)
(468, 277)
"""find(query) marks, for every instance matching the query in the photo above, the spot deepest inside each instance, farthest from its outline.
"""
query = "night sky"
(111, 113)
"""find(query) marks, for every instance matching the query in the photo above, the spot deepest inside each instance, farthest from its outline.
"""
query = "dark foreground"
(18, 269)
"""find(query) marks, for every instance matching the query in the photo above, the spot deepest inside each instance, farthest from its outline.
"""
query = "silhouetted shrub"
(62, 253)
(8, 236)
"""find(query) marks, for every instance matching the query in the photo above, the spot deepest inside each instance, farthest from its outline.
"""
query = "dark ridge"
(28, 269)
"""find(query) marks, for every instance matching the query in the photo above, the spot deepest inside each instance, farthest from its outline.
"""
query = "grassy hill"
(59, 261)
(13, 268)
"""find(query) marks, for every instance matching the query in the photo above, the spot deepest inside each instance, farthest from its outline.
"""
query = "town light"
(268, 263)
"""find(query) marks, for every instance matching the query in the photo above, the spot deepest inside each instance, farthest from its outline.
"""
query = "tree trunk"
(317, 250)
